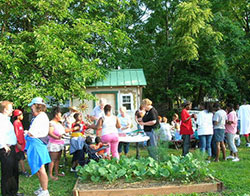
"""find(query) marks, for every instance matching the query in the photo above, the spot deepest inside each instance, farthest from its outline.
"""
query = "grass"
(234, 175)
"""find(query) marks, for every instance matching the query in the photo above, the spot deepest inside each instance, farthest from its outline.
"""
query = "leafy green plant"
(176, 168)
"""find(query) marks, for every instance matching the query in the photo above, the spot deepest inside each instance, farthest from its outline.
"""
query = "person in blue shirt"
(8, 159)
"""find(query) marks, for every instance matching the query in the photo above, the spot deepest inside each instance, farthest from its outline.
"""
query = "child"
(165, 130)
(75, 142)
(79, 121)
(99, 145)
(176, 126)
(18, 127)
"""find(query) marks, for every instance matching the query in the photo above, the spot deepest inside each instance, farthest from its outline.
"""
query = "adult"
(68, 117)
(150, 123)
(125, 127)
(205, 127)
(186, 129)
(97, 113)
(56, 143)
(109, 124)
(19, 131)
(244, 117)
(219, 120)
(9, 162)
(231, 129)
(36, 145)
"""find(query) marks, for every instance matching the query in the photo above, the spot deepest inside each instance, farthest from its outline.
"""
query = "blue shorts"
(219, 135)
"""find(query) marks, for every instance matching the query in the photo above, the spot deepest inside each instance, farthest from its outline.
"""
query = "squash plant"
(176, 168)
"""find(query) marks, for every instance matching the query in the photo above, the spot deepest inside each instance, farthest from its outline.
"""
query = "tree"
(58, 47)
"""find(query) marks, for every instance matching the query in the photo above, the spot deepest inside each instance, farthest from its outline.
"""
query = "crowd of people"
(44, 141)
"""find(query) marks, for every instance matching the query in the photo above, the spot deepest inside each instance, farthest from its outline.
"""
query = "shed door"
(111, 99)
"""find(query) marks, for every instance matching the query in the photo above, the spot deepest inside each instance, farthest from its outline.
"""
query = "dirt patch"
(121, 184)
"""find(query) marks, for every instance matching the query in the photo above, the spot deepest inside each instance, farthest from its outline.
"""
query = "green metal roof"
(122, 77)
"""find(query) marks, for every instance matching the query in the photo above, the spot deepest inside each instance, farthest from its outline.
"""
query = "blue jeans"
(125, 147)
(205, 144)
(152, 144)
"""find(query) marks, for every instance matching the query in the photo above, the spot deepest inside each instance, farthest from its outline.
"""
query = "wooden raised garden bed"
(148, 190)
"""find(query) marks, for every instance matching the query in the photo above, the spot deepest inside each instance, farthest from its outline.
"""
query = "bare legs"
(43, 178)
(55, 160)
(220, 145)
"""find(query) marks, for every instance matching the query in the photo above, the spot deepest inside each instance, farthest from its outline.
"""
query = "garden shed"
(121, 87)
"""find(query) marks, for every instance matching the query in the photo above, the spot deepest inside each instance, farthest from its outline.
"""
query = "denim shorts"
(219, 135)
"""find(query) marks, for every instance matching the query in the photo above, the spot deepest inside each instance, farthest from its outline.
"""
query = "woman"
(56, 144)
(37, 151)
(186, 129)
(125, 127)
(231, 129)
(150, 122)
(205, 128)
(109, 124)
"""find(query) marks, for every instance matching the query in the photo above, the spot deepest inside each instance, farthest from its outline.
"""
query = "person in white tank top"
(110, 125)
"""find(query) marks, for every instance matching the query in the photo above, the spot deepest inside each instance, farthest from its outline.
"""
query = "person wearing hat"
(186, 129)
(68, 117)
(36, 145)
(9, 163)
(19, 131)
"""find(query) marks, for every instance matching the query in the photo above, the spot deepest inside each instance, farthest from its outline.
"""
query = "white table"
(134, 139)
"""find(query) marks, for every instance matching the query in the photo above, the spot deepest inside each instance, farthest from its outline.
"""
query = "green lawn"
(234, 175)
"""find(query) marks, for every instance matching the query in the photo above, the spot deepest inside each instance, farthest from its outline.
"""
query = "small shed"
(121, 87)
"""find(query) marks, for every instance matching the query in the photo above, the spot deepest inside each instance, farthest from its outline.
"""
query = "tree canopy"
(189, 49)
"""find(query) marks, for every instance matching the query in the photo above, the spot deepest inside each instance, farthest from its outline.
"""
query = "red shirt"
(186, 127)
(83, 127)
(18, 127)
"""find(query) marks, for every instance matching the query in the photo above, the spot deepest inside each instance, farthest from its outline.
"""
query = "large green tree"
(191, 49)
(58, 47)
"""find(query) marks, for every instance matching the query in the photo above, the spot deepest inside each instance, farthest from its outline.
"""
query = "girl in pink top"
(231, 129)
(56, 144)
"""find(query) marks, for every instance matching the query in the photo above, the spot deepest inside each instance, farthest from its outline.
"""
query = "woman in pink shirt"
(231, 129)
(56, 144)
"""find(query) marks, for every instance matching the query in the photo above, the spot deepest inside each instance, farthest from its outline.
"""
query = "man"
(244, 117)
(9, 161)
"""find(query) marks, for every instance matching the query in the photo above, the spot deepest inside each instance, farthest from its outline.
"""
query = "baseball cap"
(17, 112)
(37, 100)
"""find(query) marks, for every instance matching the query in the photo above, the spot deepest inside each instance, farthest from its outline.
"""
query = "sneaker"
(72, 170)
(43, 193)
(37, 192)
(248, 145)
(236, 159)
(230, 157)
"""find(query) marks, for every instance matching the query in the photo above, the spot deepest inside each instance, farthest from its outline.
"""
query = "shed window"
(127, 101)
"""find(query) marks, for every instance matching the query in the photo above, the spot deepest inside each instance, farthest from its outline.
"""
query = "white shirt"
(205, 123)
(109, 125)
(165, 132)
(40, 126)
(97, 112)
(220, 116)
(244, 117)
(68, 119)
(7, 132)
(125, 121)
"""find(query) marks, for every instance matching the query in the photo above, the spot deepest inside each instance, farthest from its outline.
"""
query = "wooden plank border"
(161, 190)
